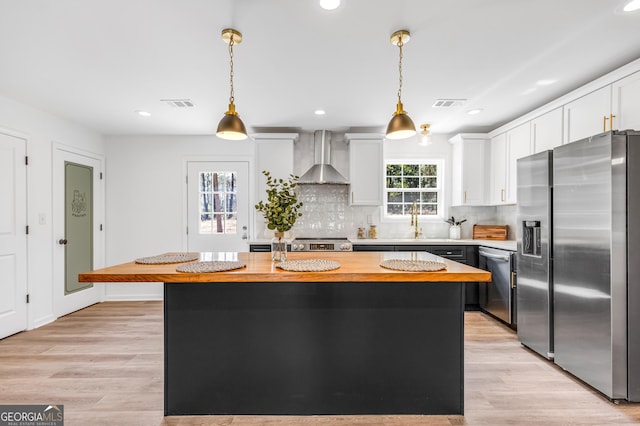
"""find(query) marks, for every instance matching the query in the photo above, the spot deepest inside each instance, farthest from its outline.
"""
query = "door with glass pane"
(78, 215)
(218, 206)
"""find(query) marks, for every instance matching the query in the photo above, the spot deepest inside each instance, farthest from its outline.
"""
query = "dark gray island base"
(360, 339)
(306, 348)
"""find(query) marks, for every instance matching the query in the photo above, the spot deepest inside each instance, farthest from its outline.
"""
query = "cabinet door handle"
(352, 197)
(611, 117)
(465, 197)
(604, 123)
(502, 195)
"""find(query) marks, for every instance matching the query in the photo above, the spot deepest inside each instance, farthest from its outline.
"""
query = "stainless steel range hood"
(322, 172)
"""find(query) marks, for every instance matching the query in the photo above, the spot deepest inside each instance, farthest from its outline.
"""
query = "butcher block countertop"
(355, 267)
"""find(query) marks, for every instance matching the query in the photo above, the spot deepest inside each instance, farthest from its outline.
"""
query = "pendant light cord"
(231, 95)
(400, 44)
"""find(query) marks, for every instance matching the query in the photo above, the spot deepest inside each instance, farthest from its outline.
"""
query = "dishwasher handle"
(504, 258)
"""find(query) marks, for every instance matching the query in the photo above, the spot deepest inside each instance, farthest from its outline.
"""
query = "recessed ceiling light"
(319, 112)
(143, 113)
(329, 4)
(546, 82)
(474, 111)
(632, 6)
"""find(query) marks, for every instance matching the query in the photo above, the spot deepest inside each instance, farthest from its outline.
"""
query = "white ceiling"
(95, 62)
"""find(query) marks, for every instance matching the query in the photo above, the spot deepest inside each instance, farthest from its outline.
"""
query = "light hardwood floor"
(105, 364)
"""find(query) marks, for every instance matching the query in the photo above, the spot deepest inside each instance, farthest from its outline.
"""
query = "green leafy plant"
(281, 209)
(452, 221)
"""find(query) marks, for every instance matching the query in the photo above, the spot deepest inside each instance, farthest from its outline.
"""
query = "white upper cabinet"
(498, 170)
(506, 149)
(365, 169)
(469, 170)
(625, 106)
(518, 146)
(546, 131)
(588, 115)
(274, 153)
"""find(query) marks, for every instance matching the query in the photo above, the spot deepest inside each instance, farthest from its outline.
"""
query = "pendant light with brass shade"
(231, 126)
(401, 126)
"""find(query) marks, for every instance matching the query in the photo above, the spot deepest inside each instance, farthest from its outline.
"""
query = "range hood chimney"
(322, 172)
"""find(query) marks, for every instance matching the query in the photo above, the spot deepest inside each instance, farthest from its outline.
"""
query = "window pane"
(410, 169)
(411, 182)
(394, 209)
(218, 202)
(430, 182)
(394, 170)
(428, 170)
(231, 224)
(429, 197)
(205, 202)
(411, 196)
(394, 197)
(394, 182)
(429, 209)
(218, 224)
(232, 203)
(205, 182)
(408, 208)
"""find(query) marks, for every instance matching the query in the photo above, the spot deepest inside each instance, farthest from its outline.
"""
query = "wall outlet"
(369, 219)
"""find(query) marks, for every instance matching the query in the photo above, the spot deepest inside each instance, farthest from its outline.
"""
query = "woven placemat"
(413, 265)
(168, 258)
(210, 266)
(308, 265)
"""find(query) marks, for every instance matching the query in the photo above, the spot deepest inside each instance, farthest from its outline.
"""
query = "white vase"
(454, 232)
(278, 247)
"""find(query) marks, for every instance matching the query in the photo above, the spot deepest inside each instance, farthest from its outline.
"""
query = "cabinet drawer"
(454, 253)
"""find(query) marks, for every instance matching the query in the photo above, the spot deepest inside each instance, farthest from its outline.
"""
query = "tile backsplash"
(326, 212)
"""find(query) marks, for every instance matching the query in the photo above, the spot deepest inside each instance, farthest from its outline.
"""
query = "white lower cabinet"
(365, 169)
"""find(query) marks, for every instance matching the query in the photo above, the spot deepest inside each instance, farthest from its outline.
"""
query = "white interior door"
(13, 238)
(78, 212)
(217, 206)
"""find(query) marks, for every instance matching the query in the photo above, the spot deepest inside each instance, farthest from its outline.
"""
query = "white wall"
(41, 130)
(145, 197)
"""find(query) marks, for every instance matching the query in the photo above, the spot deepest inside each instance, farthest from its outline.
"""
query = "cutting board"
(490, 232)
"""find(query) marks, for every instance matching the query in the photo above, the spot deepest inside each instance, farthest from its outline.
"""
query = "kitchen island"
(360, 339)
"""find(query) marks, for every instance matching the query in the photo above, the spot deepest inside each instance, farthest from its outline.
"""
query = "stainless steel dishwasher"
(498, 296)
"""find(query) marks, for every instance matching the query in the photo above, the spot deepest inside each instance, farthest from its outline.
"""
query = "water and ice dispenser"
(531, 244)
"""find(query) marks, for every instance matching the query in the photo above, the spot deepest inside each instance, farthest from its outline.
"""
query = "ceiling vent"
(448, 103)
(178, 103)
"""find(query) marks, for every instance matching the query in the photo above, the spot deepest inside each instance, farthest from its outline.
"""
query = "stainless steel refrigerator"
(534, 254)
(596, 261)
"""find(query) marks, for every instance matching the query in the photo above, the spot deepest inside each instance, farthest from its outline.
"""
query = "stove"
(321, 244)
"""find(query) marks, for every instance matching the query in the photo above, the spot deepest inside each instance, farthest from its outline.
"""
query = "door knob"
(62, 241)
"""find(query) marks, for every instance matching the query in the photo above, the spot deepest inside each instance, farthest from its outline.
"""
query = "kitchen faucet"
(414, 220)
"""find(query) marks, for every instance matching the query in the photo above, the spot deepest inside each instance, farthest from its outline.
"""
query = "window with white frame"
(413, 182)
